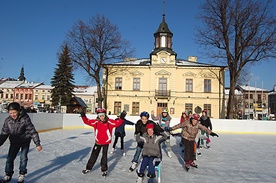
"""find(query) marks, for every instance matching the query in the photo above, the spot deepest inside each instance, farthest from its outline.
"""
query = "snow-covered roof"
(44, 87)
(10, 84)
(85, 89)
(251, 88)
(179, 62)
(27, 84)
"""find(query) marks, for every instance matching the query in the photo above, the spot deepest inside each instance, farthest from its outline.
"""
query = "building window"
(17, 96)
(43, 97)
(135, 108)
(30, 96)
(48, 97)
(117, 107)
(136, 83)
(207, 107)
(21, 96)
(11, 96)
(251, 96)
(7, 95)
(36, 97)
(118, 83)
(188, 108)
(245, 96)
(189, 85)
(207, 85)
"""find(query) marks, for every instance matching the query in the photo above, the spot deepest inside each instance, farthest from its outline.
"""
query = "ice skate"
(187, 168)
(133, 166)
(193, 165)
(123, 152)
(6, 178)
(169, 154)
(85, 171)
(20, 178)
(139, 180)
(104, 174)
(112, 150)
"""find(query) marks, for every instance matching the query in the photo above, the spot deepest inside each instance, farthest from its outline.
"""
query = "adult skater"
(190, 130)
(19, 128)
(164, 120)
(140, 129)
(103, 129)
(120, 133)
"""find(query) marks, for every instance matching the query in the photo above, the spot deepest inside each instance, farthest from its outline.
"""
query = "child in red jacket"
(103, 129)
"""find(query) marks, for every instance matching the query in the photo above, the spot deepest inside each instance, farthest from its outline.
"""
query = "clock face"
(163, 60)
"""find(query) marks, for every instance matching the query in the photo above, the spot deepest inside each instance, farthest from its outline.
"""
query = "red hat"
(195, 116)
(149, 126)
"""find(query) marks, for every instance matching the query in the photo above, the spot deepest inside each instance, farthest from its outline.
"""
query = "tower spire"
(164, 8)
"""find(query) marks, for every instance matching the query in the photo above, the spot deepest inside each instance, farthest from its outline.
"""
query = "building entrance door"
(160, 107)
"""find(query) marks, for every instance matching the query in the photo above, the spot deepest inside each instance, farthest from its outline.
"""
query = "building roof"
(27, 84)
(10, 84)
(85, 90)
(44, 87)
(179, 62)
(237, 92)
(251, 88)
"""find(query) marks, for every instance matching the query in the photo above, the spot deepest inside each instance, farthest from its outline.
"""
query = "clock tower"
(163, 52)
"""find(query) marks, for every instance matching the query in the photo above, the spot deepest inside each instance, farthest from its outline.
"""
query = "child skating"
(103, 129)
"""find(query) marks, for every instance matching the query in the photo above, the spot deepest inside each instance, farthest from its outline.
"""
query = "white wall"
(49, 121)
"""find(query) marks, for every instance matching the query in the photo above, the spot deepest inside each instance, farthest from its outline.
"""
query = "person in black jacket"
(140, 128)
(205, 121)
(120, 133)
(20, 130)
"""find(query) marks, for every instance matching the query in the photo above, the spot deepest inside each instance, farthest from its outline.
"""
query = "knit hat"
(150, 126)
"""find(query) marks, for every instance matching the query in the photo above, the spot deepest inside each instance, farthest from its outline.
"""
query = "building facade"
(255, 102)
(164, 81)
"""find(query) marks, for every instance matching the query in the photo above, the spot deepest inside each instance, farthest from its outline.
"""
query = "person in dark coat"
(205, 121)
(31, 109)
(20, 130)
(120, 133)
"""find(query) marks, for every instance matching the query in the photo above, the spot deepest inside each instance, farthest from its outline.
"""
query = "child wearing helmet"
(151, 153)
(120, 133)
(20, 130)
(189, 133)
(140, 129)
(103, 134)
(164, 120)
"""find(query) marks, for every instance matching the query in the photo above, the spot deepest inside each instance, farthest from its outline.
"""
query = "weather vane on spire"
(164, 7)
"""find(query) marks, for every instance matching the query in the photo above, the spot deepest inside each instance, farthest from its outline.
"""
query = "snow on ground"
(231, 158)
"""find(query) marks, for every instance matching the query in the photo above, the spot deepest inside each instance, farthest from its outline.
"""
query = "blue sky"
(32, 32)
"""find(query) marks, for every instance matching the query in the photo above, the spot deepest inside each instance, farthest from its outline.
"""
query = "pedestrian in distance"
(20, 130)
(140, 129)
(189, 133)
(103, 127)
(31, 109)
(183, 117)
(120, 133)
(164, 120)
(151, 153)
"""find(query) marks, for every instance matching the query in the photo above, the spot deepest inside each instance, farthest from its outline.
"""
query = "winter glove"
(213, 134)
(168, 129)
(82, 114)
(123, 115)
(141, 144)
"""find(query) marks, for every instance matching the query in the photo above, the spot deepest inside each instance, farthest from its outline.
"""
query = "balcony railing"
(162, 93)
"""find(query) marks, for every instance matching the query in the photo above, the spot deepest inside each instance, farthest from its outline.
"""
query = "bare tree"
(239, 33)
(96, 43)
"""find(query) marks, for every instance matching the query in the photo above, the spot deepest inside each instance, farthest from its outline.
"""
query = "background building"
(164, 81)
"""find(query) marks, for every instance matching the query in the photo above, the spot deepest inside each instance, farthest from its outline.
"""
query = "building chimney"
(192, 58)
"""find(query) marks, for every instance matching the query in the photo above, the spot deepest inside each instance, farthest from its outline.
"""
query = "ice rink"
(231, 158)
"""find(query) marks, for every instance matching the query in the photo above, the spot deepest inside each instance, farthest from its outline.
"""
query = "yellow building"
(164, 81)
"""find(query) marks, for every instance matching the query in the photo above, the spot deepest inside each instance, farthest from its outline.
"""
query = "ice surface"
(231, 158)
